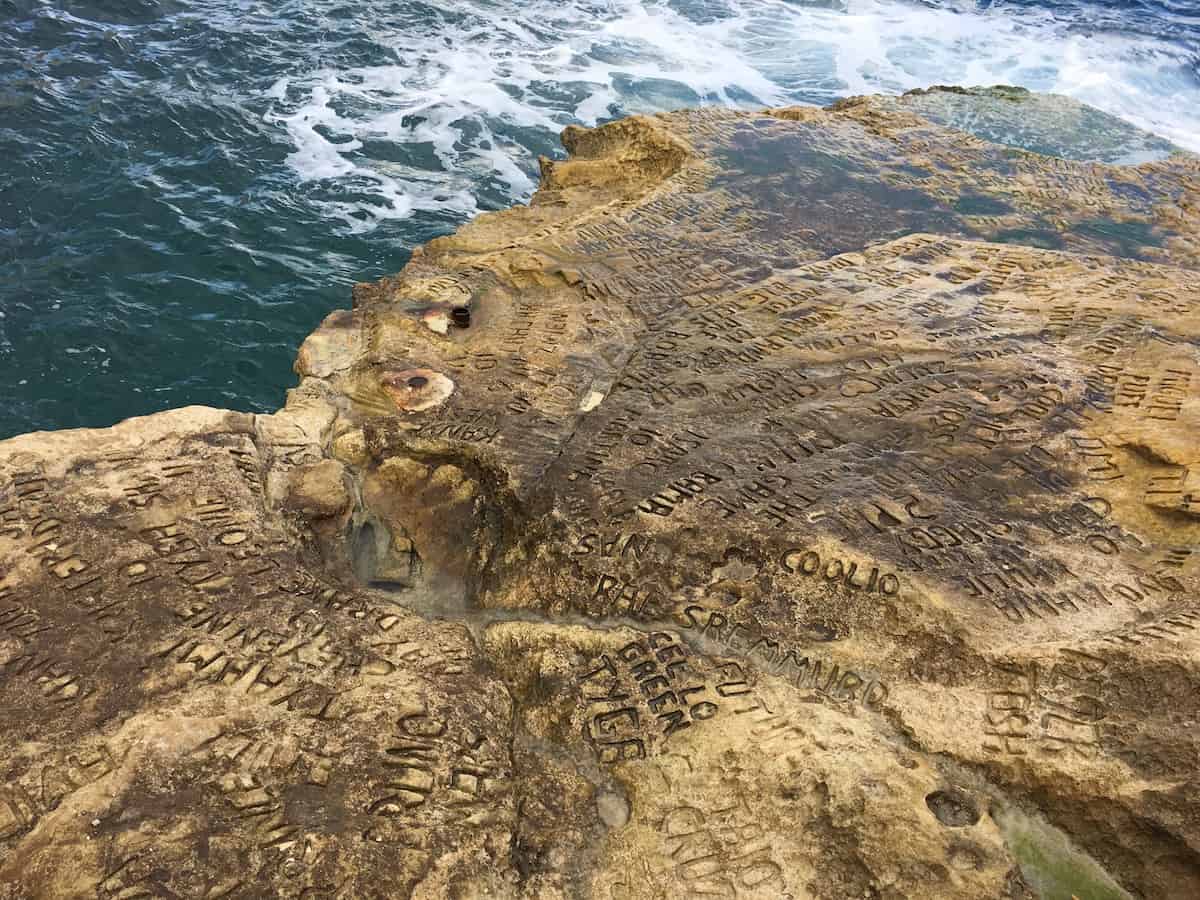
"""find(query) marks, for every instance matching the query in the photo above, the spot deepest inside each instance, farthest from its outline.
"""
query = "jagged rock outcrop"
(788, 504)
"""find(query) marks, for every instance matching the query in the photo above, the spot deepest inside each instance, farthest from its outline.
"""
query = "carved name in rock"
(788, 504)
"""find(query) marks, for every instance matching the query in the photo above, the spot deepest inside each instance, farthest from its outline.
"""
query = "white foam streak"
(474, 94)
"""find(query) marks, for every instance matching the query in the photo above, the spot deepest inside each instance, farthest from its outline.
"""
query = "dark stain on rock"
(953, 808)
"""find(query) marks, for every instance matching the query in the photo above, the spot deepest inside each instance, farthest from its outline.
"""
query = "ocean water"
(188, 186)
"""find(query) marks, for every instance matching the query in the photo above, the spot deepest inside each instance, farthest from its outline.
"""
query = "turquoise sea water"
(186, 187)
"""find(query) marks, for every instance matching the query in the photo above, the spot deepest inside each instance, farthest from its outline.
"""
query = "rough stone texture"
(800, 504)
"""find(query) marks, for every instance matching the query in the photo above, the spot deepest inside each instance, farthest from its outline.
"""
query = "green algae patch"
(1130, 237)
(1051, 864)
(981, 205)
(1044, 239)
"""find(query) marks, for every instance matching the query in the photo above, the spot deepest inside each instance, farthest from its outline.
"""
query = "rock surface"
(800, 504)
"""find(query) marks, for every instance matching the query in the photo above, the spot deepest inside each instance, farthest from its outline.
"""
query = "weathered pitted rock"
(795, 504)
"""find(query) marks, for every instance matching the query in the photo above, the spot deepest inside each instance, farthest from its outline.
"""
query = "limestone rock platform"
(792, 504)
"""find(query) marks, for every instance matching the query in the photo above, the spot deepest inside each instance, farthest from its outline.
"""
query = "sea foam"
(471, 94)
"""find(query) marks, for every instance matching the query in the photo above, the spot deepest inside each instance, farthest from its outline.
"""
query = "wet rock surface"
(792, 504)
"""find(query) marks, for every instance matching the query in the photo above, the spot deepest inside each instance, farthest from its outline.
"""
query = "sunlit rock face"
(788, 504)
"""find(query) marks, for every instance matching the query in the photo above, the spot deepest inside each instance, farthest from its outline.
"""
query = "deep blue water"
(187, 187)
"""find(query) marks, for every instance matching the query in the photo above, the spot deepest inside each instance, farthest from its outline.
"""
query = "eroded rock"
(786, 504)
